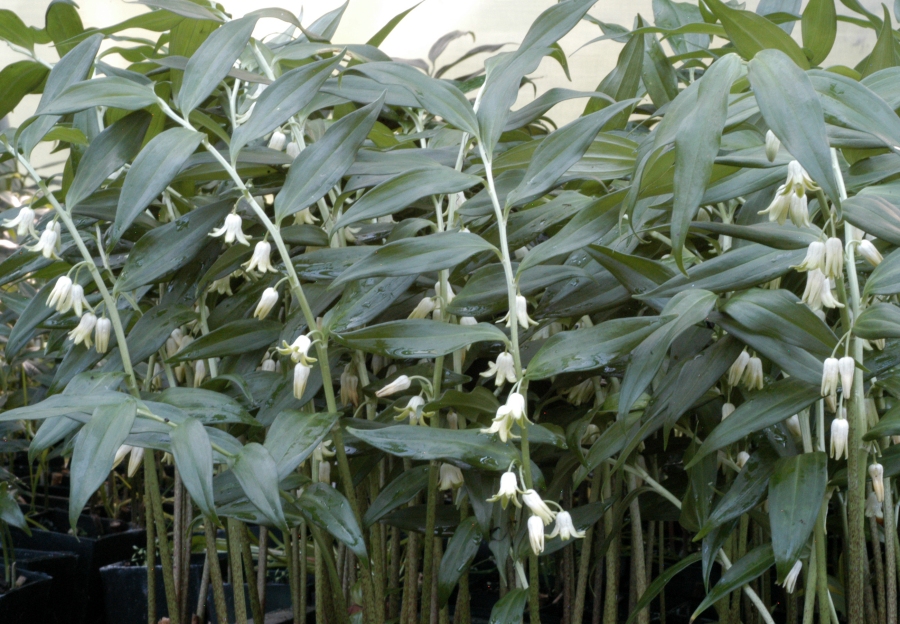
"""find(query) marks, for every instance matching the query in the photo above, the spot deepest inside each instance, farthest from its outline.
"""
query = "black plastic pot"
(61, 568)
(278, 598)
(100, 542)
(125, 591)
(28, 604)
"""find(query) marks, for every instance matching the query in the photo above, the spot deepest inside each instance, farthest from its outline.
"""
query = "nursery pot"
(61, 567)
(29, 603)
(278, 598)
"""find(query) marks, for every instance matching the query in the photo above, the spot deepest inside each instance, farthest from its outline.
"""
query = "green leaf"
(414, 256)
(819, 28)
(425, 443)
(776, 402)
(327, 508)
(396, 493)
(364, 300)
(624, 80)
(20, 78)
(233, 338)
(185, 8)
(151, 331)
(283, 98)
(696, 146)
(557, 153)
(657, 73)
(748, 568)
(14, 30)
(208, 407)
(885, 278)
(212, 61)
(690, 307)
(674, 15)
(63, 404)
(10, 513)
(878, 321)
(511, 608)
(792, 109)
(659, 583)
(751, 33)
(439, 97)
(322, 164)
(258, 475)
(107, 153)
(850, 104)
(152, 171)
(294, 435)
(418, 338)
(884, 53)
(95, 448)
(400, 191)
(795, 497)
(875, 214)
(768, 234)
(63, 24)
(193, 457)
(461, 550)
(378, 38)
(171, 246)
(113, 92)
(593, 347)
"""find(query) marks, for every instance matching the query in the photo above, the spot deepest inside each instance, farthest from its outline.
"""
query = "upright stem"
(215, 571)
(252, 586)
(152, 482)
(151, 554)
(890, 556)
(584, 564)
(637, 551)
(237, 576)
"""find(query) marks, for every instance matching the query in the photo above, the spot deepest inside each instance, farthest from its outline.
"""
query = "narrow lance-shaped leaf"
(192, 451)
(328, 508)
(461, 550)
(819, 28)
(258, 475)
(696, 146)
(746, 569)
(112, 92)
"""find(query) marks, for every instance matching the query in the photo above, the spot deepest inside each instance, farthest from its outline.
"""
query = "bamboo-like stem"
(262, 566)
(152, 481)
(237, 576)
(394, 574)
(178, 571)
(809, 589)
(611, 487)
(204, 591)
(340, 605)
(252, 580)
(879, 569)
(300, 550)
(890, 556)
(319, 579)
(428, 540)
(584, 564)
(215, 571)
(637, 551)
(151, 552)
(293, 570)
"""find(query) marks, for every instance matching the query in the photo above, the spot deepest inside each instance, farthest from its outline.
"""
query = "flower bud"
(799, 210)
(868, 251)
(293, 150)
(847, 368)
(772, 145)
(516, 404)
(536, 534)
(268, 365)
(753, 375)
(199, 372)
(277, 140)
(266, 302)
(468, 320)
(737, 368)
(830, 376)
(451, 477)
(301, 376)
(400, 384)
(101, 334)
(840, 430)
(793, 425)
(349, 386)
(876, 473)
(790, 581)
(874, 507)
(834, 258)
(727, 410)
(742, 459)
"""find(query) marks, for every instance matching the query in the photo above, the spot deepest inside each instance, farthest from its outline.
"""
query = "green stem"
(252, 587)
(151, 554)
(237, 576)
(151, 480)
(215, 571)
(584, 565)
(340, 606)
(890, 536)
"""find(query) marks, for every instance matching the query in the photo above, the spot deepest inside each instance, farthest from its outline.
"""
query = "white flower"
(868, 251)
(199, 372)
(301, 376)
(268, 365)
(737, 368)
(538, 507)
(298, 349)
(293, 150)
(790, 581)
(504, 369)
(793, 425)
(451, 477)
(799, 210)
(742, 459)
(834, 258)
(520, 314)
(79, 301)
(452, 420)
(82, 333)
(772, 145)
(780, 207)
(266, 302)
(847, 367)
(413, 411)
(325, 472)
(840, 430)
(830, 376)
(876, 473)
(815, 257)
(874, 507)
(231, 230)
(753, 375)
(536, 534)
(304, 217)
(516, 404)
(261, 258)
(468, 320)
(818, 292)
(727, 410)
(61, 295)
(423, 308)
(798, 181)
(48, 244)
(134, 462)
(591, 433)
(221, 286)
(173, 342)
(101, 334)
(23, 222)
(580, 393)
(565, 528)
(508, 491)
(277, 140)
(349, 386)
(502, 424)
(398, 385)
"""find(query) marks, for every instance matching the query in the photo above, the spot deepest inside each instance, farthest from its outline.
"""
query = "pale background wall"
(491, 21)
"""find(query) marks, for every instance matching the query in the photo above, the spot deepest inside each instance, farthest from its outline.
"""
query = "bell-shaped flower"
(301, 376)
(815, 257)
(298, 350)
(780, 207)
(536, 534)
(520, 314)
(261, 260)
(82, 333)
(231, 230)
(468, 321)
(798, 181)
(799, 210)
(304, 217)
(538, 507)
(266, 302)
(772, 145)
(293, 150)
(413, 411)
(840, 431)
(565, 528)
(400, 384)
(451, 477)
(874, 507)
(793, 425)
(869, 252)
(61, 295)
(742, 458)
(580, 393)
(423, 308)
(847, 368)
(516, 404)
(221, 286)
(349, 386)
(753, 375)
(48, 244)
(790, 581)
(834, 258)
(508, 491)
(830, 376)
(277, 140)
(268, 365)
(727, 410)
(876, 473)
(23, 222)
(503, 370)
(737, 368)
(101, 334)
(818, 292)
(79, 301)
(502, 424)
